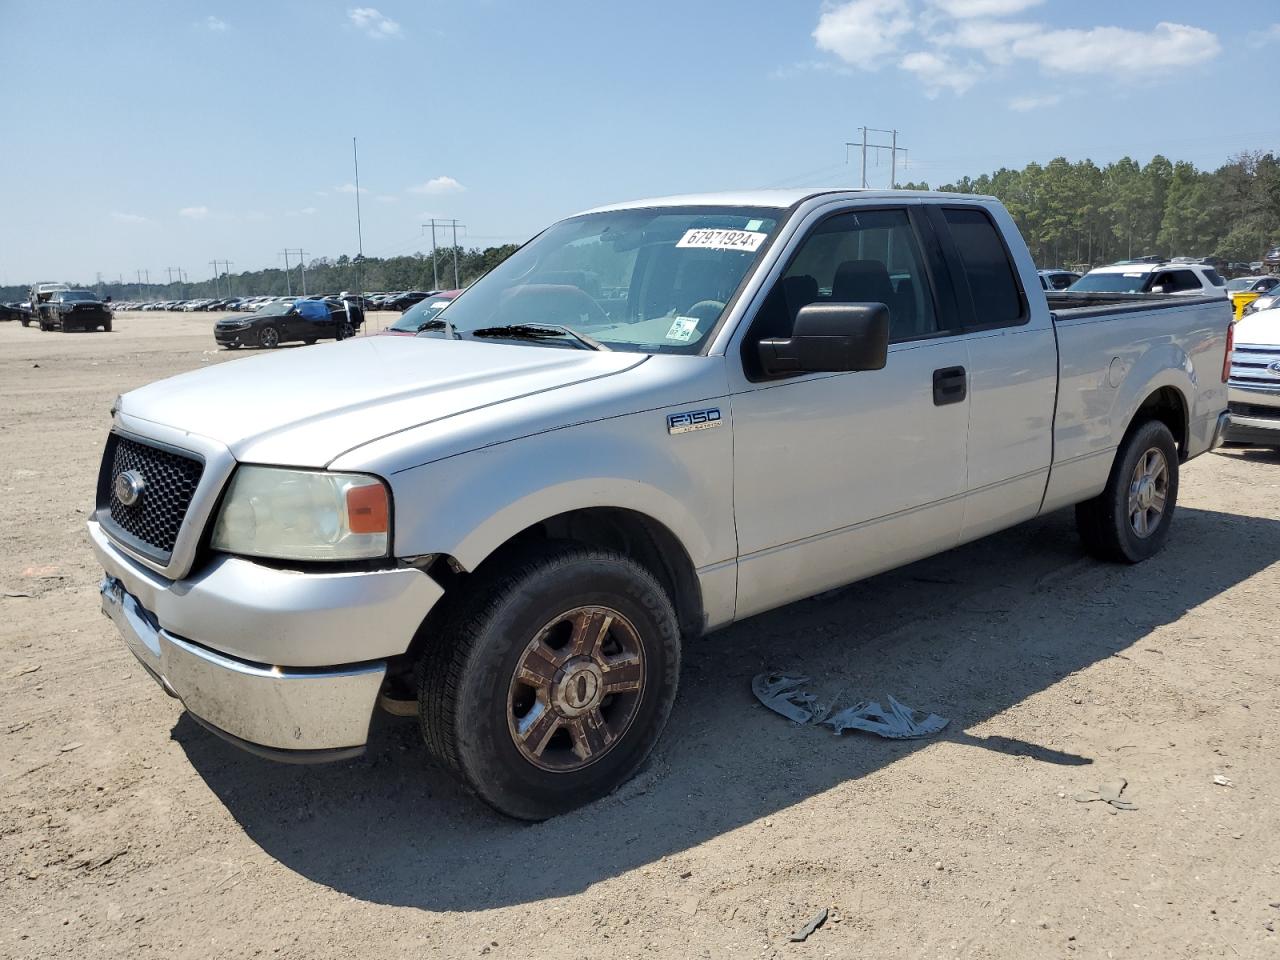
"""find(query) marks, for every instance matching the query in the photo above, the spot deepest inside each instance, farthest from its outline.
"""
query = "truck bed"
(1066, 305)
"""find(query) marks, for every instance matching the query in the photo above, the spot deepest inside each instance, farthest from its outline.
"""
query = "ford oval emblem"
(1274, 366)
(129, 486)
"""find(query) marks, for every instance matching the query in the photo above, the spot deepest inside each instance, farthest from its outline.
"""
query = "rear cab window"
(985, 268)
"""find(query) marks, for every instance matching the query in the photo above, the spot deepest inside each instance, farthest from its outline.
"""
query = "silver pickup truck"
(651, 421)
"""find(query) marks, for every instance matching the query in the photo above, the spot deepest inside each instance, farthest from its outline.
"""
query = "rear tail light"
(1231, 345)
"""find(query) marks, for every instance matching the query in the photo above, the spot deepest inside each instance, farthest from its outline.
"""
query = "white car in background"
(1253, 390)
(1183, 279)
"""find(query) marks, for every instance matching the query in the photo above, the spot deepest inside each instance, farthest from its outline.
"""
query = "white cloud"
(963, 9)
(994, 38)
(346, 188)
(194, 213)
(1027, 104)
(214, 24)
(438, 185)
(864, 32)
(129, 218)
(1120, 52)
(939, 72)
(372, 23)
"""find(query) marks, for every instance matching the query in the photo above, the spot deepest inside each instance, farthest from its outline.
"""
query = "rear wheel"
(106, 327)
(345, 330)
(269, 337)
(1130, 520)
(554, 682)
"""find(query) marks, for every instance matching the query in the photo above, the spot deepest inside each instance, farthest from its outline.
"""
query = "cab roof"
(779, 199)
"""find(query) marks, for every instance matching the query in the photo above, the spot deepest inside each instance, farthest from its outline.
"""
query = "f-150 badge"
(693, 420)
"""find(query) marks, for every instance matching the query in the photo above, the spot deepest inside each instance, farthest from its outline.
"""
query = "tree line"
(1081, 214)
(323, 275)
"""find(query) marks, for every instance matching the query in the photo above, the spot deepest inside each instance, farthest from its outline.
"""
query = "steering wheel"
(705, 310)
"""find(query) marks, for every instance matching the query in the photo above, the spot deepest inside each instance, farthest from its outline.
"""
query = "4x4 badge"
(693, 420)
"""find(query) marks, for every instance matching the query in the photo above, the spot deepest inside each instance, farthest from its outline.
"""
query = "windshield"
(277, 309)
(78, 295)
(1241, 283)
(643, 280)
(411, 320)
(1134, 282)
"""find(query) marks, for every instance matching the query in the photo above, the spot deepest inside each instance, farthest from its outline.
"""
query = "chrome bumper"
(285, 714)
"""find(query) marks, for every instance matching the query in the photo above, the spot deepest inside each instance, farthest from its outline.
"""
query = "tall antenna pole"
(893, 162)
(864, 158)
(217, 287)
(288, 281)
(355, 159)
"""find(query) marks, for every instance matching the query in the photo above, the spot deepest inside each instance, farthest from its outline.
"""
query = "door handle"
(950, 385)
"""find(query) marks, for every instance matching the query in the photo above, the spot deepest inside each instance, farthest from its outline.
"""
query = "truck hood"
(306, 406)
(1261, 329)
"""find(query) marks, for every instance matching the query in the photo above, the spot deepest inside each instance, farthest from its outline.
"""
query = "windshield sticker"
(683, 329)
(754, 224)
(747, 240)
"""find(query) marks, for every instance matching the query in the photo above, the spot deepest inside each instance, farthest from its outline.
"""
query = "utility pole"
(227, 264)
(99, 284)
(217, 288)
(891, 146)
(139, 272)
(301, 263)
(435, 273)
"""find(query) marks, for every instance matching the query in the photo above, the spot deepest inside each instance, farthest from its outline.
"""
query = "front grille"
(1254, 410)
(170, 481)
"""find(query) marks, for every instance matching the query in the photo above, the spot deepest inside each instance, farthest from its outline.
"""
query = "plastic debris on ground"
(785, 696)
(805, 932)
(1109, 794)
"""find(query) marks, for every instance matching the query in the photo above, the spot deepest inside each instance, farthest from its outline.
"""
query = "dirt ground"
(126, 830)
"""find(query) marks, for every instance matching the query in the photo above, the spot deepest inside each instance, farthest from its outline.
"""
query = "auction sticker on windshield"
(683, 329)
(747, 240)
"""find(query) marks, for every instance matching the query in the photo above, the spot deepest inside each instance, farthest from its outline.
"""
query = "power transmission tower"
(435, 273)
(217, 287)
(288, 277)
(866, 144)
(227, 264)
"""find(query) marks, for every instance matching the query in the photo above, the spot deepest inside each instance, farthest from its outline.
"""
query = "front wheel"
(1129, 521)
(552, 685)
(269, 338)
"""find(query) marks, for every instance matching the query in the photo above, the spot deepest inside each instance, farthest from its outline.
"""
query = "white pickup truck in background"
(652, 420)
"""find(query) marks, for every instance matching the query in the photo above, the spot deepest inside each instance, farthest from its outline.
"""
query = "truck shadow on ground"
(967, 634)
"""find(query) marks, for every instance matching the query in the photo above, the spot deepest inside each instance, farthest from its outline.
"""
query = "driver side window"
(869, 256)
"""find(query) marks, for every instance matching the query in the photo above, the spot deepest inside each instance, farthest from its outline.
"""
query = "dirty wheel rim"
(576, 689)
(346, 331)
(1148, 492)
(269, 337)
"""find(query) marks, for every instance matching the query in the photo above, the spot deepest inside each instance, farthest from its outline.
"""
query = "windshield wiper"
(539, 331)
(433, 324)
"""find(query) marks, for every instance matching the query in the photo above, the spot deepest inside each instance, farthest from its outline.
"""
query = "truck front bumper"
(294, 715)
(1255, 415)
(285, 664)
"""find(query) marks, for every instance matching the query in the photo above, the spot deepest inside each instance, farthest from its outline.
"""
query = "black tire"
(468, 679)
(345, 331)
(311, 342)
(269, 337)
(231, 346)
(1106, 526)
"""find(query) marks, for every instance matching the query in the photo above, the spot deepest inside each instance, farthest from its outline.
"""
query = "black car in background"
(15, 311)
(289, 321)
(68, 310)
(403, 301)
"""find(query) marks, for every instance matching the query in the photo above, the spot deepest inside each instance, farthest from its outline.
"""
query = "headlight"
(304, 515)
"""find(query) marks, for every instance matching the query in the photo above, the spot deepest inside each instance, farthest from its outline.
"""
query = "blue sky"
(165, 134)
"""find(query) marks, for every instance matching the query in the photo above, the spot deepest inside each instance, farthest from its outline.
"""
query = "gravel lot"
(127, 830)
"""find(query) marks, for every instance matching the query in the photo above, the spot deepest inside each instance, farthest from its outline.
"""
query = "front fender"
(469, 505)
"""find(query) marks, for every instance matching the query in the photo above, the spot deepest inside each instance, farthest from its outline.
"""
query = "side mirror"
(830, 338)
